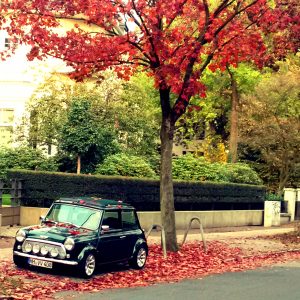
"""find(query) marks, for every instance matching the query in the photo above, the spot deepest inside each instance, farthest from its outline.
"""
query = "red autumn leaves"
(189, 262)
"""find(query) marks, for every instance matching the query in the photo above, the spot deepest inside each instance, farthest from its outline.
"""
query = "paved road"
(276, 283)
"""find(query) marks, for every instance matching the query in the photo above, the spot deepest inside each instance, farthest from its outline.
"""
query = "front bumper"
(59, 261)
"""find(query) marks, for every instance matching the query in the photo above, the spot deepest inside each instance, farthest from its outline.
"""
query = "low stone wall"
(31, 215)
(10, 215)
(209, 219)
(226, 218)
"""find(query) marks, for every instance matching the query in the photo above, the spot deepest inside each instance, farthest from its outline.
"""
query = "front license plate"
(40, 263)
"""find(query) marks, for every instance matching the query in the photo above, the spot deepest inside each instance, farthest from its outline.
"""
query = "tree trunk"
(78, 164)
(166, 182)
(284, 173)
(233, 140)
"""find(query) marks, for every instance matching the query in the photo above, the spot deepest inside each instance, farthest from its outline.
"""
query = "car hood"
(57, 233)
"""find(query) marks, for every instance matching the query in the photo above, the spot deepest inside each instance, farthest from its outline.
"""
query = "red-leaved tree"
(174, 41)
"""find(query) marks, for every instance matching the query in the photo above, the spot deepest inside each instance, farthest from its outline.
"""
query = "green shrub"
(125, 165)
(242, 173)
(273, 197)
(188, 167)
(25, 158)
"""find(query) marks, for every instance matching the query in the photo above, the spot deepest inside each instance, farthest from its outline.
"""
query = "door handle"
(122, 236)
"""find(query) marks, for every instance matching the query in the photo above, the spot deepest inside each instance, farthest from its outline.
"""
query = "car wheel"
(139, 258)
(87, 266)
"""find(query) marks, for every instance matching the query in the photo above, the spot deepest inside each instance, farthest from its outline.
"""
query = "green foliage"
(6, 199)
(210, 114)
(138, 116)
(41, 188)
(188, 167)
(129, 108)
(270, 123)
(25, 158)
(273, 197)
(125, 165)
(242, 173)
(83, 135)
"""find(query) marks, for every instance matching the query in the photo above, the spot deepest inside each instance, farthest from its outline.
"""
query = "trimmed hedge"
(41, 188)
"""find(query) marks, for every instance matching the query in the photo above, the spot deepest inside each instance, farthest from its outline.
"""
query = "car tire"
(139, 258)
(87, 266)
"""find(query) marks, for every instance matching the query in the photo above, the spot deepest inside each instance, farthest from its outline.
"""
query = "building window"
(6, 135)
(6, 116)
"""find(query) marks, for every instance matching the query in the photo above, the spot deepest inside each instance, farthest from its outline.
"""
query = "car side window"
(112, 219)
(129, 220)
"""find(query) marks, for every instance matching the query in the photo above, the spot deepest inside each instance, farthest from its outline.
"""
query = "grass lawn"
(6, 199)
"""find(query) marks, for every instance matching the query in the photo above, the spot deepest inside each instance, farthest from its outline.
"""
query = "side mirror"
(42, 219)
(104, 228)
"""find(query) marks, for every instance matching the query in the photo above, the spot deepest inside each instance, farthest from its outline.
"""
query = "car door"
(131, 230)
(112, 241)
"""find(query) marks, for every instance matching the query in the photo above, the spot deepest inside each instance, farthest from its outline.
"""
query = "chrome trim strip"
(41, 241)
(64, 262)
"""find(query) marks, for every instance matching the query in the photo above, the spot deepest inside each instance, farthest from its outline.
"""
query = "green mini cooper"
(83, 232)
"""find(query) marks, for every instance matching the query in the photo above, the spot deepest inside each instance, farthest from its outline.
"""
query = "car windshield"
(78, 216)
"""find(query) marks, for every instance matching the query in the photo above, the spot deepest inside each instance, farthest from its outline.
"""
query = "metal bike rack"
(163, 237)
(201, 231)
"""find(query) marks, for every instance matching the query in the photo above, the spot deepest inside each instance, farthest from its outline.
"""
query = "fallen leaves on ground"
(189, 262)
(291, 238)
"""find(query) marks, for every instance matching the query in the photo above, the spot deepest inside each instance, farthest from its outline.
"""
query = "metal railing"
(15, 191)
(163, 237)
(201, 232)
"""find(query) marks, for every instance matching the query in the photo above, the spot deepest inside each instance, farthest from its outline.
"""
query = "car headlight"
(35, 248)
(69, 244)
(54, 252)
(28, 247)
(20, 235)
(44, 250)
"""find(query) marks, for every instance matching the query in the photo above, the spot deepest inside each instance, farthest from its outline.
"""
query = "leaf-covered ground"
(189, 262)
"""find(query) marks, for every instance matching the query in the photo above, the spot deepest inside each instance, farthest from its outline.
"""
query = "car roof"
(95, 202)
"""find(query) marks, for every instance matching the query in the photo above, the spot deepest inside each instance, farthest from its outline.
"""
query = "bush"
(242, 173)
(125, 165)
(24, 158)
(273, 197)
(188, 167)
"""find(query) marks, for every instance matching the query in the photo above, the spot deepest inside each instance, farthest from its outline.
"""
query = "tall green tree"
(270, 121)
(82, 132)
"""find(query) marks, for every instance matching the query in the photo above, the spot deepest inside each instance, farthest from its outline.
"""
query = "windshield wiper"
(71, 224)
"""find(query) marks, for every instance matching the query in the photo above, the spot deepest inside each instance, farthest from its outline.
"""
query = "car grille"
(44, 248)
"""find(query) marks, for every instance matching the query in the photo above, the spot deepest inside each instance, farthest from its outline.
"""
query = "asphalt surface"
(275, 283)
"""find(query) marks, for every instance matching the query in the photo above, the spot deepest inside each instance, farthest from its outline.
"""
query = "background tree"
(215, 118)
(115, 102)
(82, 133)
(173, 40)
(271, 122)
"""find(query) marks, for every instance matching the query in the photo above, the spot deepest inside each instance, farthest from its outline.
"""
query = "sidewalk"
(210, 233)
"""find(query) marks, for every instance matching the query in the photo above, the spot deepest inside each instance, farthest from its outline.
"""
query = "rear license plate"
(40, 263)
